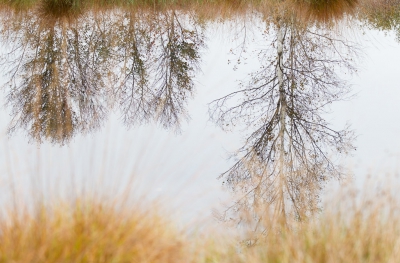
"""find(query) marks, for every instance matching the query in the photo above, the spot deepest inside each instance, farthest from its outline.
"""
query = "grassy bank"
(314, 9)
(84, 5)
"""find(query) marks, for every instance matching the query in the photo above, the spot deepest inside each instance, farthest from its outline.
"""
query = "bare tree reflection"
(286, 160)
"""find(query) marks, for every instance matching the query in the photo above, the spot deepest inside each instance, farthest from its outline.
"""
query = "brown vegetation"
(88, 231)
(353, 228)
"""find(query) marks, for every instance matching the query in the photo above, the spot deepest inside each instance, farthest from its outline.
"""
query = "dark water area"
(108, 89)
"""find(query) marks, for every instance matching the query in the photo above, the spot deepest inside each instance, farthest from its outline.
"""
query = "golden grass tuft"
(88, 231)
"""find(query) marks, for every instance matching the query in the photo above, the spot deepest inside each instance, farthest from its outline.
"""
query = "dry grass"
(320, 10)
(354, 228)
(332, 238)
(378, 11)
(88, 231)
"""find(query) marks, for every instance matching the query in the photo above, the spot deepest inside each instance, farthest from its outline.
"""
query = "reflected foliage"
(382, 15)
(175, 63)
(57, 87)
(66, 74)
(160, 55)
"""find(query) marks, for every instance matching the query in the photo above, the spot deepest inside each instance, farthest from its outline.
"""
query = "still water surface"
(90, 103)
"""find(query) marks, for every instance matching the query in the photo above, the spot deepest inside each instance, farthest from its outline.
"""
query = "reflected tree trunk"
(282, 106)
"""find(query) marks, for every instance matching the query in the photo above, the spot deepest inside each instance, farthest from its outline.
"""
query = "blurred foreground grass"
(87, 231)
(355, 228)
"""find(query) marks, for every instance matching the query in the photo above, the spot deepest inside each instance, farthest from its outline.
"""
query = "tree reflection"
(176, 61)
(41, 103)
(67, 72)
(286, 159)
(158, 73)
(133, 48)
(56, 86)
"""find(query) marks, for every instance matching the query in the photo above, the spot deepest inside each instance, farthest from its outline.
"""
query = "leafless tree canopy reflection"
(66, 74)
(288, 156)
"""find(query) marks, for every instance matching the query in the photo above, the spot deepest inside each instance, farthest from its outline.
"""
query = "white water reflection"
(373, 113)
(182, 168)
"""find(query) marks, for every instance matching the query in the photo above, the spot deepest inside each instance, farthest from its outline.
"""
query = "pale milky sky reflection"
(183, 168)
